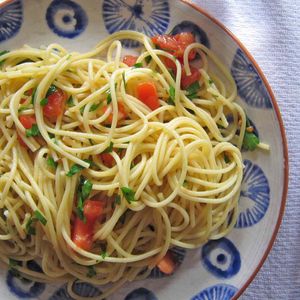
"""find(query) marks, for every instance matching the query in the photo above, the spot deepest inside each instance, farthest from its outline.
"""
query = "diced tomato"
(167, 265)
(130, 60)
(121, 112)
(29, 92)
(93, 210)
(147, 93)
(82, 232)
(55, 106)
(169, 63)
(107, 159)
(27, 121)
(21, 142)
(186, 81)
(175, 44)
(23, 100)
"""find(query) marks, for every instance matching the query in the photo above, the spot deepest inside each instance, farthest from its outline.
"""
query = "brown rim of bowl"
(283, 136)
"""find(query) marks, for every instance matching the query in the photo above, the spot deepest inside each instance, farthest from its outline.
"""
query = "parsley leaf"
(250, 141)
(86, 189)
(138, 65)
(33, 131)
(128, 193)
(51, 90)
(171, 99)
(210, 81)
(192, 90)
(2, 53)
(77, 168)
(33, 96)
(44, 102)
(108, 98)
(117, 199)
(103, 254)
(83, 191)
(94, 107)
(39, 216)
(109, 149)
(91, 272)
(22, 108)
(70, 102)
(148, 59)
(30, 230)
(51, 163)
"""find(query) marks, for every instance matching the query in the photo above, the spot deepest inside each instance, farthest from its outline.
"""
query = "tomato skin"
(130, 60)
(167, 265)
(55, 106)
(147, 93)
(175, 44)
(82, 232)
(186, 81)
(107, 159)
(169, 63)
(27, 121)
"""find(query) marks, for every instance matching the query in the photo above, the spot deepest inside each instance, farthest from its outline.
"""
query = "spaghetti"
(141, 178)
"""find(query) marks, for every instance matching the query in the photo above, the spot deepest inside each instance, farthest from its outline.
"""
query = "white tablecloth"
(271, 32)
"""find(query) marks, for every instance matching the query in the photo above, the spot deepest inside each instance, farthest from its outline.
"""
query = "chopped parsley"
(109, 149)
(91, 272)
(2, 53)
(128, 193)
(103, 254)
(192, 90)
(38, 216)
(83, 191)
(22, 108)
(210, 81)
(117, 199)
(77, 168)
(94, 107)
(138, 65)
(171, 99)
(108, 97)
(51, 90)
(33, 96)
(51, 163)
(33, 131)
(70, 101)
(44, 102)
(250, 141)
(148, 59)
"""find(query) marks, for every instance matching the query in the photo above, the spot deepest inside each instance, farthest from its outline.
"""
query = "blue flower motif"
(188, 26)
(255, 196)
(82, 289)
(217, 292)
(221, 258)
(11, 18)
(178, 255)
(140, 294)
(148, 16)
(66, 18)
(25, 288)
(250, 86)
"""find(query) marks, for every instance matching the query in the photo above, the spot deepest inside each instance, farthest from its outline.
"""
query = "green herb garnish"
(77, 168)
(128, 193)
(192, 90)
(108, 98)
(210, 81)
(226, 159)
(171, 99)
(103, 254)
(94, 107)
(250, 141)
(2, 53)
(51, 163)
(83, 191)
(33, 96)
(30, 230)
(51, 90)
(33, 131)
(39, 216)
(44, 102)
(117, 199)
(91, 272)
(148, 59)
(22, 108)
(70, 102)
(86, 189)
(138, 65)
(109, 149)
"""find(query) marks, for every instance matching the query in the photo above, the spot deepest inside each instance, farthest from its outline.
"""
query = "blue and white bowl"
(220, 270)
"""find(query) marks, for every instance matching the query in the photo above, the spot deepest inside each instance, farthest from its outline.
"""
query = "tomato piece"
(175, 44)
(93, 210)
(82, 234)
(186, 81)
(169, 63)
(107, 159)
(167, 265)
(55, 106)
(147, 93)
(21, 142)
(27, 121)
(130, 60)
(121, 112)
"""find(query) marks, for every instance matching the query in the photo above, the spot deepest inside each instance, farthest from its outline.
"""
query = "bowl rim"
(282, 131)
(283, 136)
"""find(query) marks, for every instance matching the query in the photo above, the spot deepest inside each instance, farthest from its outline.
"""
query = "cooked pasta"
(102, 190)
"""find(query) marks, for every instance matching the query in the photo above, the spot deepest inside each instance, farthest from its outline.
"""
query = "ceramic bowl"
(219, 270)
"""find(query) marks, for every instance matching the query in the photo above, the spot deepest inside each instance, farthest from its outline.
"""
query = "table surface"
(271, 32)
